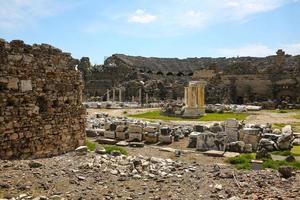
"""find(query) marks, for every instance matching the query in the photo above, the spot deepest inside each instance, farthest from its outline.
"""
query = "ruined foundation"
(41, 112)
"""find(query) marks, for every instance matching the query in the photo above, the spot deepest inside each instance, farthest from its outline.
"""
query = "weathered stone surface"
(206, 141)
(40, 101)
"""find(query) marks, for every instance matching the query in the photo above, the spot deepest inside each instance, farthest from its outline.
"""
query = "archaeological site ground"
(123, 130)
(149, 100)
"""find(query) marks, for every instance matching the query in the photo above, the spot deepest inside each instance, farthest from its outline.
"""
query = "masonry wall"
(41, 112)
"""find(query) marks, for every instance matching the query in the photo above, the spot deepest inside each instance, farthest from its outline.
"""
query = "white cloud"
(192, 19)
(240, 9)
(259, 50)
(21, 13)
(140, 16)
(293, 49)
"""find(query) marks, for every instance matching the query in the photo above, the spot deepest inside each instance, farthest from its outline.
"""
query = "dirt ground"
(94, 176)
(259, 117)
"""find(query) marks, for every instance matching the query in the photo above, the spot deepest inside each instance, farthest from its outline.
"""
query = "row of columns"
(114, 94)
(120, 95)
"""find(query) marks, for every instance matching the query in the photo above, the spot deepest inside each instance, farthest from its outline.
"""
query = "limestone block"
(151, 137)
(193, 139)
(110, 134)
(250, 136)
(135, 136)
(26, 85)
(121, 135)
(121, 128)
(150, 129)
(13, 84)
(206, 141)
(165, 138)
(135, 128)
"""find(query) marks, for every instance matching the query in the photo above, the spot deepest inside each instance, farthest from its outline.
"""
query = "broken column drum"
(194, 99)
(41, 111)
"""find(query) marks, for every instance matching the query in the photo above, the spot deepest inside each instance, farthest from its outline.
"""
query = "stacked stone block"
(41, 112)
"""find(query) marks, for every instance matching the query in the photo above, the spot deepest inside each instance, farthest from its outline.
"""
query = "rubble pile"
(41, 112)
(122, 128)
(94, 176)
(238, 137)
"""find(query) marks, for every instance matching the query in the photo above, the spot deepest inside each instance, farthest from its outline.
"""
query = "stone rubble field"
(94, 176)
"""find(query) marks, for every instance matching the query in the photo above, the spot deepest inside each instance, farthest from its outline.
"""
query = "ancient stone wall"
(41, 112)
(230, 80)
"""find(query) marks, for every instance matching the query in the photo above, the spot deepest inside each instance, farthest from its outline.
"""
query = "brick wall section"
(41, 112)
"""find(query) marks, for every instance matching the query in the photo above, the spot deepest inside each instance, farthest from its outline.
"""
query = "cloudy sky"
(160, 28)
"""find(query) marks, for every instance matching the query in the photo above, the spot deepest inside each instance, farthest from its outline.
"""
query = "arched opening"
(191, 74)
(159, 73)
(149, 72)
(169, 74)
(180, 74)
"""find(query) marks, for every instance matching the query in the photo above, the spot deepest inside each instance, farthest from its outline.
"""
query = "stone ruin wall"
(256, 79)
(41, 112)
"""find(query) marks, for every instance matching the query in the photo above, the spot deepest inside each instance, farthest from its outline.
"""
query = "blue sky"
(160, 28)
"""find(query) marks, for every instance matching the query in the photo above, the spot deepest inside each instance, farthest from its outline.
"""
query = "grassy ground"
(297, 116)
(295, 126)
(295, 151)
(90, 145)
(244, 162)
(208, 117)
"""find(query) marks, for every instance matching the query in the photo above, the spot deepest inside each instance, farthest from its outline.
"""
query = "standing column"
(132, 99)
(147, 98)
(140, 96)
(120, 95)
(190, 97)
(186, 95)
(107, 93)
(114, 94)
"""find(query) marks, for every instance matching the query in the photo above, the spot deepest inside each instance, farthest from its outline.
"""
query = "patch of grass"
(282, 153)
(297, 116)
(295, 151)
(125, 112)
(207, 117)
(90, 145)
(110, 148)
(275, 164)
(243, 161)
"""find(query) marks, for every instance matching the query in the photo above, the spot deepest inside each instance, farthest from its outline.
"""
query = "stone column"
(140, 96)
(147, 98)
(190, 96)
(120, 95)
(194, 99)
(132, 99)
(185, 95)
(107, 93)
(114, 94)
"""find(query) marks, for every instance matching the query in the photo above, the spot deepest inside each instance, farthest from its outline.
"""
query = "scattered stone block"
(122, 143)
(110, 134)
(26, 85)
(206, 141)
(136, 144)
(81, 150)
(106, 141)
